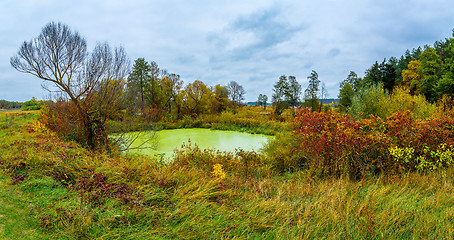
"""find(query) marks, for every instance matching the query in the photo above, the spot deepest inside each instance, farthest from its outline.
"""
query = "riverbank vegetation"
(377, 166)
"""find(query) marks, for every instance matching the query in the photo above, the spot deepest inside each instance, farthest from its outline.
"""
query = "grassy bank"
(63, 191)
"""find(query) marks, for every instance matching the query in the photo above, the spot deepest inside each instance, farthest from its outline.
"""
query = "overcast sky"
(250, 42)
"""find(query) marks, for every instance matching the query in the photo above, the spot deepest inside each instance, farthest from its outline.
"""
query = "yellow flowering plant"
(218, 172)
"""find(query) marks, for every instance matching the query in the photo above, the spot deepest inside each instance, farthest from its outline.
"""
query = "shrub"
(281, 154)
(336, 144)
(375, 101)
(32, 104)
(430, 141)
(401, 100)
(60, 117)
(368, 101)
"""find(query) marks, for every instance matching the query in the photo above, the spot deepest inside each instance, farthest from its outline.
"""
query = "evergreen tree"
(312, 92)
(293, 92)
(280, 90)
(431, 71)
(138, 79)
(384, 72)
(154, 84)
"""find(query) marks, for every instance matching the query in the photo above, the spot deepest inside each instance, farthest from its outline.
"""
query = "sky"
(252, 42)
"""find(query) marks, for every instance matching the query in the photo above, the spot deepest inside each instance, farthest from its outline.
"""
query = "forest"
(376, 165)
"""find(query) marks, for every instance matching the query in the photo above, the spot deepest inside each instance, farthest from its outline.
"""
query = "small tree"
(312, 91)
(261, 101)
(293, 92)
(220, 99)
(170, 85)
(346, 94)
(280, 90)
(347, 90)
(138, 79)
(236, 93)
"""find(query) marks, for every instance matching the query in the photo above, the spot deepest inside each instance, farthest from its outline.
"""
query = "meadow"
(313, 182)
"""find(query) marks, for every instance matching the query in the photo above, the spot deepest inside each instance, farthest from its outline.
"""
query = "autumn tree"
(220, 99)
(170, 86)
(411, 77)
(59, 56)
(195, 98)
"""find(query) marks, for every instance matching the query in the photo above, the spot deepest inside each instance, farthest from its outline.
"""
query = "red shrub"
(336, 144)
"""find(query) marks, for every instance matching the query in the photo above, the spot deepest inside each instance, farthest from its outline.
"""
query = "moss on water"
(169, 140)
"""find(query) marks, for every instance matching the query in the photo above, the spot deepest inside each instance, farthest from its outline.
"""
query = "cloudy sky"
(250, 42)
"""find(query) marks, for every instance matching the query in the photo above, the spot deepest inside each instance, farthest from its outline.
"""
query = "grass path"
(16, 221)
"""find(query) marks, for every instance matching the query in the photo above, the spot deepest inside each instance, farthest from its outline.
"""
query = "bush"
(423, 145)
(368, 101)
(375, 101)
(401, 100)
(32, 104)
(336, 144)
(281, 153)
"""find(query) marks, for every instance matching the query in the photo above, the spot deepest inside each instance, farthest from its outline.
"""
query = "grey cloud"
(251, 42)
(266, 26)
(334, 52)
(187, 59)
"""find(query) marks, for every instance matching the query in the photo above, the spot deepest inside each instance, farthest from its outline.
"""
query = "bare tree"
(236, 93)
(59, 56)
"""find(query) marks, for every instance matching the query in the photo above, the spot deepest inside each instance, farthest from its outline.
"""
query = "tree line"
(4, 104)
(287, 93)
(156, 93)
(427, 71)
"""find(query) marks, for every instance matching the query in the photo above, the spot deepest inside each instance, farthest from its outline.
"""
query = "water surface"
(169, 140)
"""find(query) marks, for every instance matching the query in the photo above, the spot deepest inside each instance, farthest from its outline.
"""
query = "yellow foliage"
(432, 160)
(218, 172)
(402, 154)
(411, 76)
(39, 127)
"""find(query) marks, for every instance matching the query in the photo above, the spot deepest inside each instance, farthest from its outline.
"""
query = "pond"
(169, 140)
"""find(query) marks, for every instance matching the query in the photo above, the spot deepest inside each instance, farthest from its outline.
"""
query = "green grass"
(70, 193)
(16, 220)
